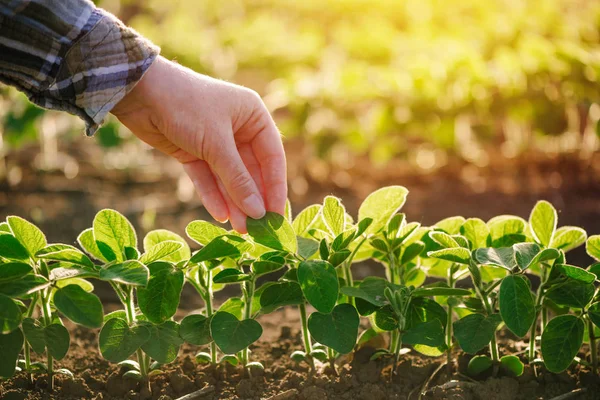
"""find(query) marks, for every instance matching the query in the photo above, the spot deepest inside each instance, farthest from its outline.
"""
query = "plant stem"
(208, 300)
(348, 279)
(397, 348)
(331, 358)
(593, 348)
(539, 297)
(489, 311)
(47, 313)
(393, 340)
(29, 314)
(248, 294)
(306, 335)
(451, 284)
(128, 303)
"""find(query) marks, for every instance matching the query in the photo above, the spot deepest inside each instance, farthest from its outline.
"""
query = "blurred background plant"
(367, 92)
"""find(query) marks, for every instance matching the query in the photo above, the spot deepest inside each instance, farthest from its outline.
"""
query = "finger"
(236, 217)
(253, 166)
(226, 162)
(206, 186)
(268, 150)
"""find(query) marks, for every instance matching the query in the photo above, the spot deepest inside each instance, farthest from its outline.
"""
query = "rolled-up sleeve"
(69, 55)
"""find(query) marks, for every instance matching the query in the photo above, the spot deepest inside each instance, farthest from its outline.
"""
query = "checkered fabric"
(69, 55)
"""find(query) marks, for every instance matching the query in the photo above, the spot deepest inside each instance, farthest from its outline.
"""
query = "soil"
(63, 207)
(282, 379)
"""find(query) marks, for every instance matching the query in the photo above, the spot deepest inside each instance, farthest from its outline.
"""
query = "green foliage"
(337, 330)
(314, 255)
(233, 335)
(517, 305)
(561, 340)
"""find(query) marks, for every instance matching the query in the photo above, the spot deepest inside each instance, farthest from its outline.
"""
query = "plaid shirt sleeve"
(69, 55)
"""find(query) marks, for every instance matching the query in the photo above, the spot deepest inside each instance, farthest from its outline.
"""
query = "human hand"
(222, 134)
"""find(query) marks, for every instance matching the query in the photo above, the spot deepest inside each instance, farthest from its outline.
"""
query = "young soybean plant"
(571, 287)
(153, 278)
(227, 258)
(309, 281)
(51, 278)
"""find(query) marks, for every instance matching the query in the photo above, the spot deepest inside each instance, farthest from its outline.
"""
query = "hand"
(221, 133)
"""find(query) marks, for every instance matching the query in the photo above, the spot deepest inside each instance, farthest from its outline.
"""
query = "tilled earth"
(356, 377)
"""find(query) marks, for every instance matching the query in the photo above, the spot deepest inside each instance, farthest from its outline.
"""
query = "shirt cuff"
(99, 69)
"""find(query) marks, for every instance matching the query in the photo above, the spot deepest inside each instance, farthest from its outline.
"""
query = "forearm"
(69, 55)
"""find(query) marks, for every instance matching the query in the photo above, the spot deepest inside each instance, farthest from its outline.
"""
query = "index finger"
(268, 149)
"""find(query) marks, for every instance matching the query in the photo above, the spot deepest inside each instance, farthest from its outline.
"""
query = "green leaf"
(526, 255)
(503, 257)
(334, 215)
(479, 364)
(571, 294)
(10, 348)
(337, 258)
(57, 340)
(273, 231)
(280, 294)
(319, 284)
(592, 246)
(63, 252)
(457, 254)
(506, 230)
(576, 273)
(307, 247)
(568, 237)
(384, 319)
(477, 233)
(10, 315)
(337, 330)
(162, 235)
(195, 329)
(475, 331)
(233, 335)
(132, 273)
(231, 275)
(29, 235)
(203, 232)
(305, 220)
(440, 291)
(88, 243)
(34, 333)
(371, 289)
(12, 249)
(118, 341)
(451, 225)
(429, 333)
(161, 252)
(594, 313)
(443, 239)
(263, 267)
(113, 230)
(234, 306)
(517, 306)
(543, 220)
(79, 306)
(23, 286)
(82, 283)
(163, 345)
(512, 365)
(411, 251)
(381, 205)
(422, 309)
(220, 247)
(561, 340)
(13, 270)
(160, 298)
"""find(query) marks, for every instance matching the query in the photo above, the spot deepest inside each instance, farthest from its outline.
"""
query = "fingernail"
(254, 206)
